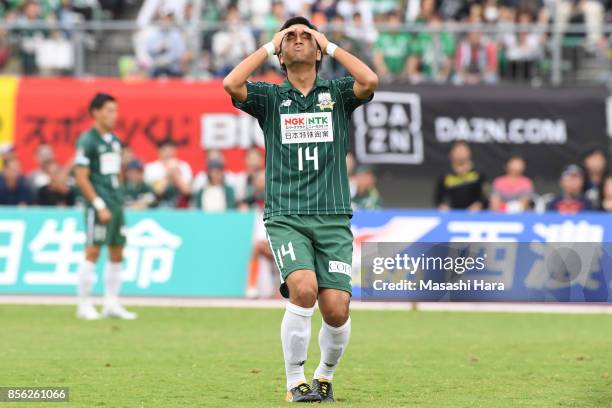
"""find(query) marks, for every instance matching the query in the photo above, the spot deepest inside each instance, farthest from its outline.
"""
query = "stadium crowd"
(169, 182)
(582, 187)
(168, 42)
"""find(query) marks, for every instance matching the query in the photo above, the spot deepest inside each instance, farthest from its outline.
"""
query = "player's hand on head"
(319, 38)
(278, 37)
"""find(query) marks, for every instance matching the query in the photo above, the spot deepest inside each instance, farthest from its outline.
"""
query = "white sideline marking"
(356, 305)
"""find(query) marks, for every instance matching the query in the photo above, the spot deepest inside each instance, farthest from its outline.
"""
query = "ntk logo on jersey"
(307, 127)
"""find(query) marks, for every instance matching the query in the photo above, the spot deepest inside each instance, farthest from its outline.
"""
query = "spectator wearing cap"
(57, 192)
(366, 194)
(513, 191)
(463, 186)
(169, 177)
(14, 188)
(596, 164)
(138, 194)
(571, 200)
(127, 155)
(216, 195)
(201, 178)
(166, 46)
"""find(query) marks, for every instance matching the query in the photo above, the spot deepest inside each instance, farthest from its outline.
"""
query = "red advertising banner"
(197, 116)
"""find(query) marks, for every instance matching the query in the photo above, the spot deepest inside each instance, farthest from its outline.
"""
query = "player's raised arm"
(366, 80)
(235, 82)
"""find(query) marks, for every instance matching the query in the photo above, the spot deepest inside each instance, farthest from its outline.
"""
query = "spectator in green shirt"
(272, 21)
(366, 195)
(392, 50)
(432, 53)
(138, 195)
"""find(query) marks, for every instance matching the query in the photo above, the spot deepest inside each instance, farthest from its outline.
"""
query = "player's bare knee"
(115, 254)
(302, 286)
(335, 316)
(117, 258)
(303, 295)
(334, 306)
(92, 253)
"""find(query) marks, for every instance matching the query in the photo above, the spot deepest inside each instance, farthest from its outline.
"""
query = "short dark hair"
(99, 100)
(300, 20)
(167, 142)
(458, 143)
(515, 156)
(595, 150)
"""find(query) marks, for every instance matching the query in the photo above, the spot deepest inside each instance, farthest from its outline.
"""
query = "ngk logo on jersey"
(306, 127)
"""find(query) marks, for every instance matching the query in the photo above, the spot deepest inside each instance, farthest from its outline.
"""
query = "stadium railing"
(110, 48)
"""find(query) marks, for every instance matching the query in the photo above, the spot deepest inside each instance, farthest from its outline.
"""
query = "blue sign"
(169, 253)
(528, 236)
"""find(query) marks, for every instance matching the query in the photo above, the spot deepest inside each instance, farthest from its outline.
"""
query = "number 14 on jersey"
(306, 154)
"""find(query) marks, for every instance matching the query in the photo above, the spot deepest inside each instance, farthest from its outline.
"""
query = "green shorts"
(99, 234)
(320, 243)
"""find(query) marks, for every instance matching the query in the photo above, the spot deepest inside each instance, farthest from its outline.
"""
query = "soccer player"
(97, 174)
(307, 210)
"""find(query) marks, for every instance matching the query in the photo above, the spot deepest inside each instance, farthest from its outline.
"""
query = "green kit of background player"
(307, 211)
(98, 176)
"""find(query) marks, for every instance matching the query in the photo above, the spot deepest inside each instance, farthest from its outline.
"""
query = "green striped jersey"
(102, 154)
(306, 140)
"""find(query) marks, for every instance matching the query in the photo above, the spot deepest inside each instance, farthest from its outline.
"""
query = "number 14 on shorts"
(284, 251)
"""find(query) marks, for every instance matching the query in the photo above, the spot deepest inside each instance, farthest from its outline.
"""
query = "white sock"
(333, 342)
(295, 336)
(112, 281)
(86, 276)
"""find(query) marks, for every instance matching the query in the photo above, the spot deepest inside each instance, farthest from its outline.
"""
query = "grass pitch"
(198, 357)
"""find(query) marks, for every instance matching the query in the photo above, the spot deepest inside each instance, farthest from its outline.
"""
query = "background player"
(97, 174)
(307, 207)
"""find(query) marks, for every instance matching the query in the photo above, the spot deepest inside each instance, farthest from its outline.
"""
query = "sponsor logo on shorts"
(340, 267)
